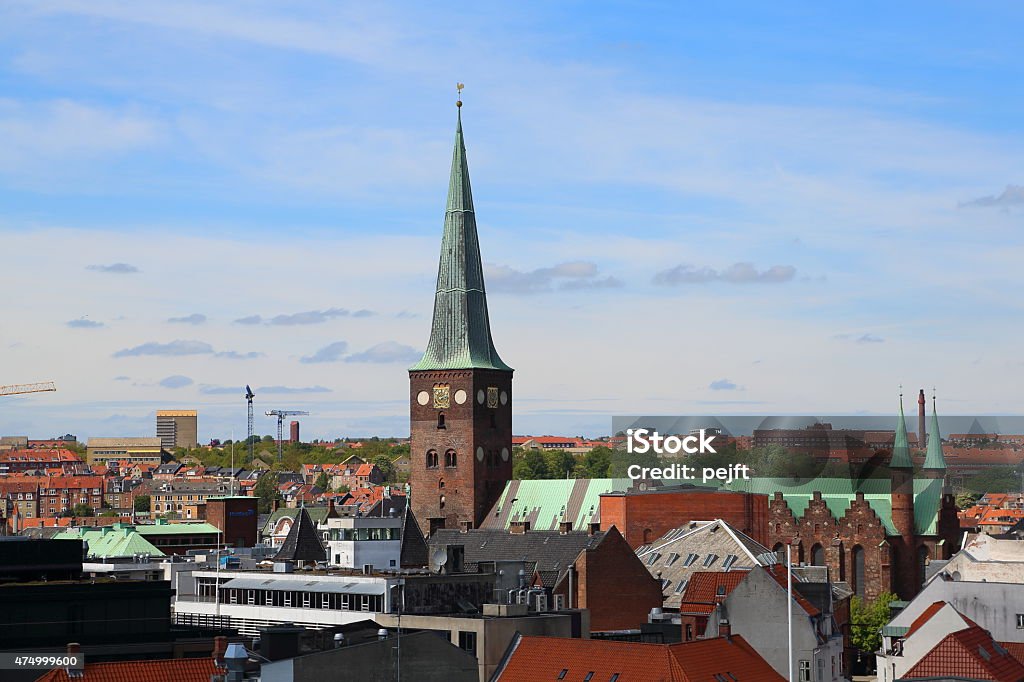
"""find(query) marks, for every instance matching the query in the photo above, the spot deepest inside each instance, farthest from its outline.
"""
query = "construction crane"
(281, 414)
(18, 389)
(249, 395)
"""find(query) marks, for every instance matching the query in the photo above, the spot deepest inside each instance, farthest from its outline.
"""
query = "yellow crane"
(18, 389)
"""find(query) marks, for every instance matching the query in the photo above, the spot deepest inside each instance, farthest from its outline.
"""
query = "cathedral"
(460, 392)
(877, 534)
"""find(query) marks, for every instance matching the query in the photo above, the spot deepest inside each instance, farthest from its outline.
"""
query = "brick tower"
(460, 392)
(901, 471)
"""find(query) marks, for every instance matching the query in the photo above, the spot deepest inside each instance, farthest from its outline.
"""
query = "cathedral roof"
(460, 336)
(934, 458)
(900, 448)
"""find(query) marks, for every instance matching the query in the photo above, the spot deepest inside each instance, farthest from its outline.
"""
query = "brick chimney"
(564, 527)
(220, 645)
(724, 629)
(519, 527)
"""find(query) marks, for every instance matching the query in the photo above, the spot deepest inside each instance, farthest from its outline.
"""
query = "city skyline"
(651, 205)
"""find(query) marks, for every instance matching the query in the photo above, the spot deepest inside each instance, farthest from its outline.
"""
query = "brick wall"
(645, 516)
(615, 585)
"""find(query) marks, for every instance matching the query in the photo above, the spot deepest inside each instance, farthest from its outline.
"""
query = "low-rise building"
(180, 497)
(127, 450)
(59, 494)
(756, 608)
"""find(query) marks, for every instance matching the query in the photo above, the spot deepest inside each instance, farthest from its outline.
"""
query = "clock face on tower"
(442, 399)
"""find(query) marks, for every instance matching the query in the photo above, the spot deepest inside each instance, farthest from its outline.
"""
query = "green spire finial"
(900, 447)
(934, 459)
(460, 336)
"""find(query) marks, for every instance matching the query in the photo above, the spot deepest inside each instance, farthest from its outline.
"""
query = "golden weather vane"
(458, 87)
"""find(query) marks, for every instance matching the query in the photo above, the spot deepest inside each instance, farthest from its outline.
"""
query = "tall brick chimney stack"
(922, 437)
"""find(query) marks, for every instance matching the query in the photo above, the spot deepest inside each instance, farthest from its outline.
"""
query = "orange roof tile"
(170, 670)
(969, 653)
(544, 658)
(702, 592)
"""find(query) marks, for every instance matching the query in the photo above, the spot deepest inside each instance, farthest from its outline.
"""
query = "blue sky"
(771, 209)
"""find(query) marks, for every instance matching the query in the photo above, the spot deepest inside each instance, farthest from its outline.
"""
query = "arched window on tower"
(440, 420)
(450, 459)
(431, 459)
(440, 502)
(817, 555)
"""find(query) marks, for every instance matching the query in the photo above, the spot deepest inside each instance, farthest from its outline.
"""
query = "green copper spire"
(460, 337)
(900, 448)
(934, 458)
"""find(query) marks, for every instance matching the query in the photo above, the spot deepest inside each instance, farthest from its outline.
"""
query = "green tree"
(266, 491)
(81, 509)
(560, 464)
(867, 619)
(383, 463)
(597, 462)
(529, 464)
(965, 500)
(141, 503)
(323, 481)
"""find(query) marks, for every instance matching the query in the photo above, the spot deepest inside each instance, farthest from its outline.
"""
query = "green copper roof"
(117, 541)
(838, 493)
(460, 336)
(900, 447)
(934, 458)
(546, 503)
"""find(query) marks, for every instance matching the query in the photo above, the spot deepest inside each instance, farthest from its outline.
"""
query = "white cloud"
(176, 381)
(737, 273)
(114, 268)
(194, 318)
(330, 353)
(386, 352)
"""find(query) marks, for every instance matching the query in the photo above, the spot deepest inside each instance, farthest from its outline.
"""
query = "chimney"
(220, 645)
(76, 670)
(564, 527)
(593, 528)
(275, 505)
(465, 526)
(922, 436)
(519, 527)
(724, 629)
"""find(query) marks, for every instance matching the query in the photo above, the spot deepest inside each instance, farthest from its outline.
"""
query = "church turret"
(460, 391)
(901, 471)
(934, 461)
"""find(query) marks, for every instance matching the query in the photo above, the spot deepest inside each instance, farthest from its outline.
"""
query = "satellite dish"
(438, 559)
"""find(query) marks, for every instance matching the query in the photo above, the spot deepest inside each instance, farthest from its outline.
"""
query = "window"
(653, 558)
(710, 560)
(467, 641)
(561, 675)
(1020, 621)
(672, 558)
(805, 671)
(589, 676)
(682, 585)
(690, 558)
(729, 561)
(440, 420)
(451, 459)
(614, 677)
(431, 459)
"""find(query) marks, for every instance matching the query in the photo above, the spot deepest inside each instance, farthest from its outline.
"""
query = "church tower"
(460, 392)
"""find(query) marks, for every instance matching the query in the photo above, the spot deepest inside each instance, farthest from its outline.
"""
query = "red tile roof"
(544, 658)
(925, 616)
(171, 670)
(778, 571)
(1016, 649)
(969, 653)
(702, 592)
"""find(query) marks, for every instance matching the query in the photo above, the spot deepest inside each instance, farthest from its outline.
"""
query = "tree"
(82, 509)
(383, 462)
(867, 619)
(965, 500)
(560, 464)
(141, 503)
(323, 481)
(597, 462)
(529, 464)
(266, 491)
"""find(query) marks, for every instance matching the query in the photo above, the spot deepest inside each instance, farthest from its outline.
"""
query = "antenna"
(438, 559)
